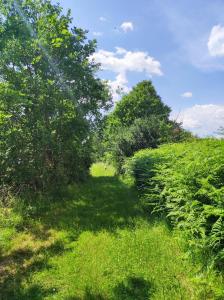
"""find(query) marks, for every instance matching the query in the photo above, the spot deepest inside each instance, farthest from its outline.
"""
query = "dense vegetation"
(50, 100)
(67, 233)
(139, 120)
(186, 183)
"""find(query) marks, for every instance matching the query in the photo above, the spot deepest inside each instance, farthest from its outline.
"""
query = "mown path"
(95, 244)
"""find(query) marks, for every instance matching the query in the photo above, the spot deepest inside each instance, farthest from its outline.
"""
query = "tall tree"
(140, 120)
(49, 95)
(141, 102)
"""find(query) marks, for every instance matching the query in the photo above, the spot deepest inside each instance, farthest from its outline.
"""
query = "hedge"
(186, 183)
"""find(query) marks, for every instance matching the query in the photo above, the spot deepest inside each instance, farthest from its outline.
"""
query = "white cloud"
(102, 19)
(202, 120)
(119, 86)
(187, 95)
(122, 61)
(127, 26)
(191, 34)
(120, 50)
(216, 41)
(97, 33)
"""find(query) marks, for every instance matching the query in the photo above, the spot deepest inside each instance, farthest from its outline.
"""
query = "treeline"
(53, 108)
(185, 183)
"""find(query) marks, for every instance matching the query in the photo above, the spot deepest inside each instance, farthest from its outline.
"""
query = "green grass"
(96, 243)
(102, 169)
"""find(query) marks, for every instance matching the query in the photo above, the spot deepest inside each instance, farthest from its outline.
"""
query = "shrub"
(185, 182)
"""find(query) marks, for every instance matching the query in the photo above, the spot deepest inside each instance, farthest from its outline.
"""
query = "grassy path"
(95, 244)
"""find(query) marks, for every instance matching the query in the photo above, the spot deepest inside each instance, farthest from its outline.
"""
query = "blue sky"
(179, 45)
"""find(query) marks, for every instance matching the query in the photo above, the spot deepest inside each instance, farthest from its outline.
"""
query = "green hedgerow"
(186, 182)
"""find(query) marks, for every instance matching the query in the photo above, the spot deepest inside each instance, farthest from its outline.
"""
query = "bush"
(185, 182)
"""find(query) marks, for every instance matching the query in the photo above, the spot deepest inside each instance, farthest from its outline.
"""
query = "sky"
(178, 45)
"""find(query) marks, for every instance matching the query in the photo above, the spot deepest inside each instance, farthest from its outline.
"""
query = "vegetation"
(67, 233)
(95, 244)
(186, 183)
(140, 120)
(50, 100)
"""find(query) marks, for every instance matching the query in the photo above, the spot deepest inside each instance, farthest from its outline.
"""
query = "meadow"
(95, 244)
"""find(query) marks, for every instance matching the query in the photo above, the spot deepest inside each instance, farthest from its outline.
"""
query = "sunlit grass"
(97, 244)
(144, 260)
(102, 169)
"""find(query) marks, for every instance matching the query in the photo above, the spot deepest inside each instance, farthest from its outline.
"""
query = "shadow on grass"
(133, 288)
(19, 265)
(87, 296)
(103, 203)
(34, 292)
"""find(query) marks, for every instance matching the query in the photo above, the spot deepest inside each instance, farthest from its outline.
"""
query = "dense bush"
(186, 182)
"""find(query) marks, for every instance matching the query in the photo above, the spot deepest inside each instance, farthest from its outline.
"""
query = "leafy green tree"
(140, 120)
(50, 99)
(141, 102)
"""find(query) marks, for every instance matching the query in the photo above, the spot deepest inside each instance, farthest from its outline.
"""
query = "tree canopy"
(141, 102)
(49, 95)
(140, 120)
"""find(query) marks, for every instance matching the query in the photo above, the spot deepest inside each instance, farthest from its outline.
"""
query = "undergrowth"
(185, 182)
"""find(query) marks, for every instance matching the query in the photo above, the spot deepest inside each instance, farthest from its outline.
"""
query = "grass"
(96, 243)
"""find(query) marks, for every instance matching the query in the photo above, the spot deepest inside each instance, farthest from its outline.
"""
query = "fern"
(186, 182)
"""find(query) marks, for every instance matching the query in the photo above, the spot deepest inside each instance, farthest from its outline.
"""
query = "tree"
(140, 120)
(49, 95)
(141, 102)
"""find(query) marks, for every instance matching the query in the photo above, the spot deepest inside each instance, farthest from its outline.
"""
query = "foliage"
(186, 182)
(141, 102)
(50, 100)
(140, 120)
(97, 244)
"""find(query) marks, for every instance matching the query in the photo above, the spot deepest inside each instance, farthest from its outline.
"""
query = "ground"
(95, 243)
